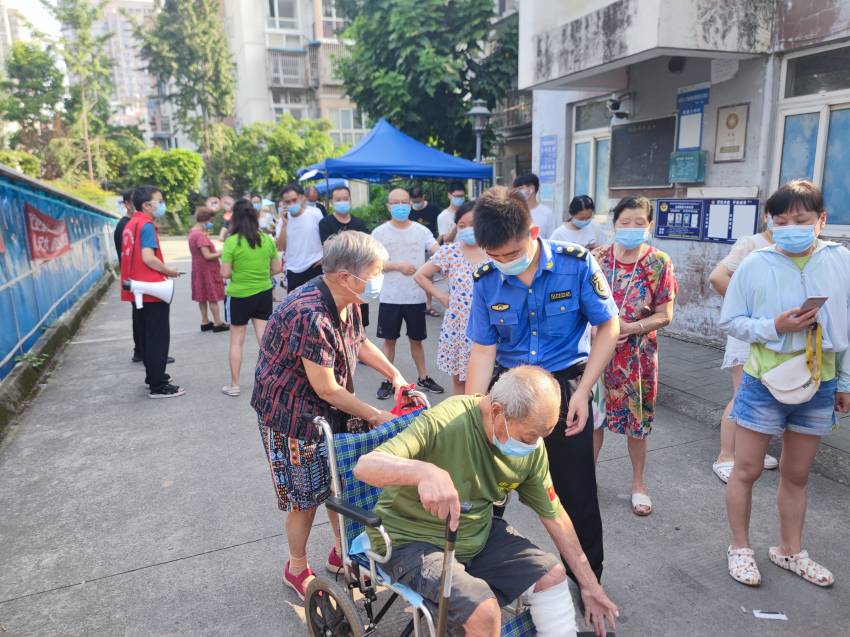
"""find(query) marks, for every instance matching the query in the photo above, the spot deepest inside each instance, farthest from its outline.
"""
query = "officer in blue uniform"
(533, 304)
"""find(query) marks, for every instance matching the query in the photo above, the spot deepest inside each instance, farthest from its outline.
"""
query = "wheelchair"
(330, 608)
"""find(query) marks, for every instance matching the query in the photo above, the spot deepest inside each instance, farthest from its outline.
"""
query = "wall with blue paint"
(34, 294)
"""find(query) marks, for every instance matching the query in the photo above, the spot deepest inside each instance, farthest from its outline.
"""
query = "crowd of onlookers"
(516, 286)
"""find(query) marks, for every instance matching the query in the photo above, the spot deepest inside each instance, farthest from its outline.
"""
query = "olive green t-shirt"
(762, 359)
(451, 436)
(251, 266)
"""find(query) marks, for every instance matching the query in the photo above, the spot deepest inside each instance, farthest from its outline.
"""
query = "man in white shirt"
(446, 219)
(298, 237)
(528, 185)
(402, 300)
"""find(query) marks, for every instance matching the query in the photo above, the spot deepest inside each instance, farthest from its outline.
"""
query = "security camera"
(615, 106)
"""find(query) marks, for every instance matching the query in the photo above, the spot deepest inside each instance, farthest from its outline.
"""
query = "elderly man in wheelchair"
(476, 449)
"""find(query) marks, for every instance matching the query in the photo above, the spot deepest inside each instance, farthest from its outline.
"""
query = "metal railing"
(515, 110)
(287, 69)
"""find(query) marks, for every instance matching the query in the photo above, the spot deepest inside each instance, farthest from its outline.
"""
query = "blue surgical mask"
(630, 238)
(418, 205)
(515, 267)
(793, 239)
(457, 202)
(512, 447)
(342, 207)
(208, 225)
(400, 211)
(294, 209)
(467, 235)
(160, 209)
(372, 291)
(257, 205)
(581, 223)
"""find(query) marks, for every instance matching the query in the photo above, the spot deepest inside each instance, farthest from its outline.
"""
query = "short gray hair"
(524, 390)
(352, 251)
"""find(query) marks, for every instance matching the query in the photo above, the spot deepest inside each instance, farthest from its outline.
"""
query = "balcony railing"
(513, 111)
(287, 69)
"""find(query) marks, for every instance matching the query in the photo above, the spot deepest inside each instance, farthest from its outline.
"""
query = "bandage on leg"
(552, 611)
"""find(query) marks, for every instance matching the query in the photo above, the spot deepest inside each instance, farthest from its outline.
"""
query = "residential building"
(284, 51)
(716, 104)
(12, 29)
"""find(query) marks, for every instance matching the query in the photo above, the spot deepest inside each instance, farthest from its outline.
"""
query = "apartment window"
(348, 125)
(591, 147)
(813, 128)
(283, 14)
(332, 24)
(288, 101)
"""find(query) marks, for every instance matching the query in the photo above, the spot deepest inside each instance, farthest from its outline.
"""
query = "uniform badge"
(550, 491)
(600, 285)
(500, 307)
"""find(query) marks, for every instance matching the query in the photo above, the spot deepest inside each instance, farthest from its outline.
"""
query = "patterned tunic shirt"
(302, 326)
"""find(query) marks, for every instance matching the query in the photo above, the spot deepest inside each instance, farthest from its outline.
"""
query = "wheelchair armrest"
(367, 518)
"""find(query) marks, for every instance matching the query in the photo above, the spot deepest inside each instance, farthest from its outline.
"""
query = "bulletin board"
(640, 153)
(710, 220)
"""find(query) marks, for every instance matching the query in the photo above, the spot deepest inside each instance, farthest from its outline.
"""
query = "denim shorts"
(756, 409)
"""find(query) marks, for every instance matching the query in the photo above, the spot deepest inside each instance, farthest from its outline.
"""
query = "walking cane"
(446, 577)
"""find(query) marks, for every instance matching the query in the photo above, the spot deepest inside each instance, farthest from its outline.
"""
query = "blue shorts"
(756, 409)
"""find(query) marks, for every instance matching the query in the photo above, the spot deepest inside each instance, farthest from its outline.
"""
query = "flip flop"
(641, 499)
(804, 566)
(723, 470)
(432, 312)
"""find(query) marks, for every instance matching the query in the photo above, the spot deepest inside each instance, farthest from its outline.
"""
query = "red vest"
(132, 266)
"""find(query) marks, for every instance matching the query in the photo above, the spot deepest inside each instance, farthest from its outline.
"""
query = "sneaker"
(224, 327)
(206, 327)
(429, 384)
(385, 390)
(770, 462)
(169, 360)
(231, 390)
(334, 562)
(297, 582)
(136, 359)
(166, 391)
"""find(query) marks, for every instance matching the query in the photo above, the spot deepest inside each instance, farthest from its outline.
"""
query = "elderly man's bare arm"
(437, 493)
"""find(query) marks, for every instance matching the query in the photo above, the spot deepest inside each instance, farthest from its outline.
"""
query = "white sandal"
(723, 470)
(742, 566)
(641, 499)
(804, 566)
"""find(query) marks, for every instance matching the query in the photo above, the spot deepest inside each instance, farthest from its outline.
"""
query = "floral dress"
(207, 284)
(453, 347)
(631, 379)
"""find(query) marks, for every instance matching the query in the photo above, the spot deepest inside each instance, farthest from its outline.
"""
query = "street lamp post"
(479, 114)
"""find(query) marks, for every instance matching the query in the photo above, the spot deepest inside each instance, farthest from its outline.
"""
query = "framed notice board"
(640, 153)
(710, 220)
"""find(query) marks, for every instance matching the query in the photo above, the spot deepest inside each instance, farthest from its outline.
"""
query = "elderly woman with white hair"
(306, 364)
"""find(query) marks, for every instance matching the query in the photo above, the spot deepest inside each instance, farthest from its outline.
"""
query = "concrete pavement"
(123, 515)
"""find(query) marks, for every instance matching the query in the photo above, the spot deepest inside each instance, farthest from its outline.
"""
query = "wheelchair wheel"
(330, 610)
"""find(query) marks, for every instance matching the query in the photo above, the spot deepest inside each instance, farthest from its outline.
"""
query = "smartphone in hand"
(812, 302)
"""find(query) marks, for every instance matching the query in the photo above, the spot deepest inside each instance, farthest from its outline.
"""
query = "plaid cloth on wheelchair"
(349, 448)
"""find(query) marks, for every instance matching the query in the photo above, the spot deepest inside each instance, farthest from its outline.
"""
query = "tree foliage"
(87, 62)
(21, 160)
(176, 172)
(31, 93)
(264, 157)
(419, 63)
(185, 48)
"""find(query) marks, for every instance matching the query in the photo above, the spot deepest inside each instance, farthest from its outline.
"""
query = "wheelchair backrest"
(349, 448)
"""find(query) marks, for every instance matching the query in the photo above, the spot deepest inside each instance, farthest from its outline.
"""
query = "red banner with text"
(48, 237)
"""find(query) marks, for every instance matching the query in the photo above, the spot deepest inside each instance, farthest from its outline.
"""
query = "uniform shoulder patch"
(600, 285)
(572, 250)
(483, 270)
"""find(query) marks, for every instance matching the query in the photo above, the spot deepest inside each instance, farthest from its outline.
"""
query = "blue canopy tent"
(387, 152)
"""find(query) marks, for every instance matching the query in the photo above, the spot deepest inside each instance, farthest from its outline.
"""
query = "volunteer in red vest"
(141, 260)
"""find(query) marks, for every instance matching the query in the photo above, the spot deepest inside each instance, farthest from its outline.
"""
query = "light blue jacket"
(768, 283)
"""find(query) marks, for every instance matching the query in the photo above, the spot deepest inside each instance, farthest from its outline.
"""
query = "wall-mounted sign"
(712, 220)
(548, 170)
(731, 136)
(688, 167)
(690, 103)
(48, 237)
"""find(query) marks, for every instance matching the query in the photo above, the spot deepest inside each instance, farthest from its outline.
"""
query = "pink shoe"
(334, 562)
(297, 582)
